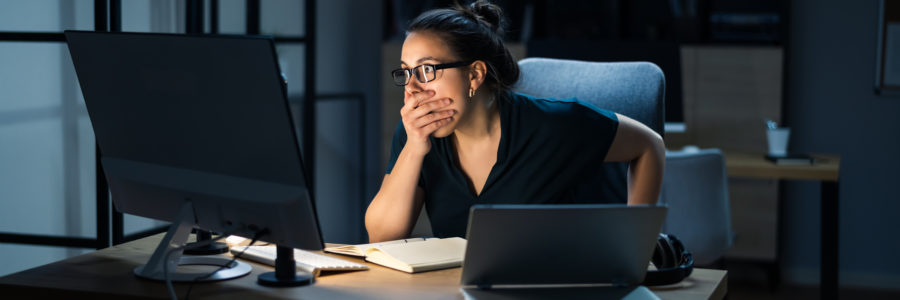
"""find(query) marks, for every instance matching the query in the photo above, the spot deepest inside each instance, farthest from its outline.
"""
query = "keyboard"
(306, 261)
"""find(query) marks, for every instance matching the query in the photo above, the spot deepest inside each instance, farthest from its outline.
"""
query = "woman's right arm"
(394, 210)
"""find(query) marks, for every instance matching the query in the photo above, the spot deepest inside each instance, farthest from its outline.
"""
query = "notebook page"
(433, 252)
(360, 250)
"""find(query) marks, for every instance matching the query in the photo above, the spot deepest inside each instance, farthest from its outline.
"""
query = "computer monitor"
(196, 130)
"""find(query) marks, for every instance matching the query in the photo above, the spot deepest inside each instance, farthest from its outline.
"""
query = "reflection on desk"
(107, 273)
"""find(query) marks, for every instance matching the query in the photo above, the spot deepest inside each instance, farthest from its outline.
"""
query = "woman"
(466, 139)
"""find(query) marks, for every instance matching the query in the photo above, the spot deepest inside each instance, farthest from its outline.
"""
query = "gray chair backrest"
(695, 188)
(633, 89)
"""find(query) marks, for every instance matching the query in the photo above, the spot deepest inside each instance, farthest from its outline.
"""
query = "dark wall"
(348, 60)
(832, 109)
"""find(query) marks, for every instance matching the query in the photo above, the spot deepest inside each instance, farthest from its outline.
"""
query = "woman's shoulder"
(564, 109)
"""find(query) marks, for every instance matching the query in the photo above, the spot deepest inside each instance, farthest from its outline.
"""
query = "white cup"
(778, 140)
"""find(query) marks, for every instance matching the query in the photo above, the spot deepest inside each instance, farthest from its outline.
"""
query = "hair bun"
(488, 14)
(473, 32)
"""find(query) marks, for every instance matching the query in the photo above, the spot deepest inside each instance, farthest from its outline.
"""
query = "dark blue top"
(551, 151)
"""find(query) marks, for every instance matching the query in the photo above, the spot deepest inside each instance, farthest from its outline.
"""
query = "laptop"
(579, 247)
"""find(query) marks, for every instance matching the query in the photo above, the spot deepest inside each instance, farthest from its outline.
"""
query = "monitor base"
(299, 279)
(210, 249)
(164, 261)
(285, 274)
(234, 270)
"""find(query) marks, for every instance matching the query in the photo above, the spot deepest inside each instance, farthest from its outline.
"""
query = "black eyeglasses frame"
(410, 73)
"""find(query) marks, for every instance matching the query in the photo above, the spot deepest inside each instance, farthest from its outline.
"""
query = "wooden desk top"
(755, 165)
(107, 273)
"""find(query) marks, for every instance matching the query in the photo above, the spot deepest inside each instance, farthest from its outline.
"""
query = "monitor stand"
(209, 249)
(286, 274)
(177, 236)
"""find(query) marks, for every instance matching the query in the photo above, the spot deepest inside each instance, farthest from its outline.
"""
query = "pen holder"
(778, 140)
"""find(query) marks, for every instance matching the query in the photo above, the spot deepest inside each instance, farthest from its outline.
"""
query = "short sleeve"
(602, 124)
(396, 146)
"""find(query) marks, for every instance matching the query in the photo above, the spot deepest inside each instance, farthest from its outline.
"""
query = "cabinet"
(728, 93)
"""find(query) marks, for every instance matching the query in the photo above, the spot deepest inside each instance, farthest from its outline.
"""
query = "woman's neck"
(483, 123)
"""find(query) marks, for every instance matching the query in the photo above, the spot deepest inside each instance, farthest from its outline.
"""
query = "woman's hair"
(474, 32)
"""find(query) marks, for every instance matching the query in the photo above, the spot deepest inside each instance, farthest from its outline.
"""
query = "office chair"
(695, 187)
(634, 89)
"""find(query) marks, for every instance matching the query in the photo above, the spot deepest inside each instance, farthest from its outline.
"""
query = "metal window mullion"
(101, 19)
(9, 36)
(193, 17)
(115, 15)
(214, 16)
(309, 106)
(118, 218)
(47, 240)
(253, 16)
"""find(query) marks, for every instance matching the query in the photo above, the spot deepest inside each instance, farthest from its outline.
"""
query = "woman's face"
(452, 83)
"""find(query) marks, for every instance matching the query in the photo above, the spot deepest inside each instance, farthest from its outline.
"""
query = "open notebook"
(410, 255)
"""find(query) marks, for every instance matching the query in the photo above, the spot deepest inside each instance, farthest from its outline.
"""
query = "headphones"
(673, 262)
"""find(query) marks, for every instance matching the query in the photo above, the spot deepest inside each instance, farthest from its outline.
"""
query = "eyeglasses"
(423, 73)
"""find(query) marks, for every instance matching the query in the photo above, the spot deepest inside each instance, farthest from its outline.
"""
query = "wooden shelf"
(754, 165)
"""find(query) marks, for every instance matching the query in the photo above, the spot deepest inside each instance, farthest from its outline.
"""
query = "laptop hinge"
(484, 286)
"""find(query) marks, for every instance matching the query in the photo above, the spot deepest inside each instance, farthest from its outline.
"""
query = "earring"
(471, 92)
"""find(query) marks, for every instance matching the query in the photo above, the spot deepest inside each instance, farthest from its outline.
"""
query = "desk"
(107, 273)
(826, 170)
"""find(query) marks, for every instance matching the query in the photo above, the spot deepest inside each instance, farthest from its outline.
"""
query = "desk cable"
(256, 237)
(168, 281)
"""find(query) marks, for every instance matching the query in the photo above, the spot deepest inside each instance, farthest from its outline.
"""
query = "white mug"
(778, 140)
